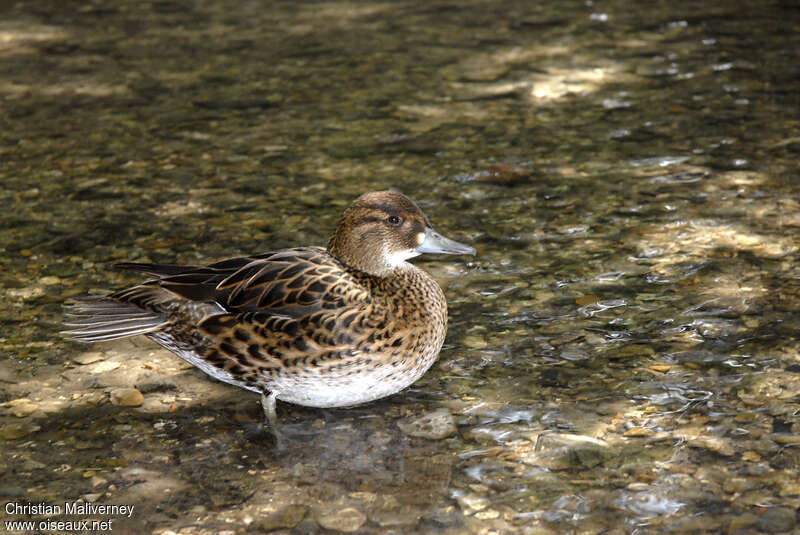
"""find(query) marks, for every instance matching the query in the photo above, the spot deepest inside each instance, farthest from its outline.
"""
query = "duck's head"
(383, 229)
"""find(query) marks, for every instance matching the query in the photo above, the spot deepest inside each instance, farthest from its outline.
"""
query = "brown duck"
(316, 327)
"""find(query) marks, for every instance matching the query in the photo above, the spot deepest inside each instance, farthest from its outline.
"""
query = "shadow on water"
(621, 355)
(181, 458)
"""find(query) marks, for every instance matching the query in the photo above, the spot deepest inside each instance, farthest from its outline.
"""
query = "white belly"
(313, 388)
(320, 390)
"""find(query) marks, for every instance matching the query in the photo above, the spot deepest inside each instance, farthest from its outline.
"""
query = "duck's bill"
(436, 243)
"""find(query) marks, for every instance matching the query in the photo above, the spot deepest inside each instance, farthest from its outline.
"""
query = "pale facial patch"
(398, 258)
(420, 238)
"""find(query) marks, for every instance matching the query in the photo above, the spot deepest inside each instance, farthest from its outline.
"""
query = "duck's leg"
(268, 404)
(271, 420)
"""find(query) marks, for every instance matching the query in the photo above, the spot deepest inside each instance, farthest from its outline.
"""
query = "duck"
(338, 326)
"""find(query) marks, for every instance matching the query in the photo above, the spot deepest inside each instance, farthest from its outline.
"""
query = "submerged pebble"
(14, 431)
(22, 408)
(126, 397)
(434, 425)
(89, 357)
(777, 520)
(286, 518)
(105, 366)
(346, 520)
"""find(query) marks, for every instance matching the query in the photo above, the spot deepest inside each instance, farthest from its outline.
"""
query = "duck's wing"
(289, 282)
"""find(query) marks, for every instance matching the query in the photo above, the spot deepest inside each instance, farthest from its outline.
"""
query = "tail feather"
(97, 319)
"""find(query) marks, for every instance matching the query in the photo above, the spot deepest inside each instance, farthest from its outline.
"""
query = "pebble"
(126, 397)
(635, 350)
(561, 451)
(105, 366)
(786, 438)
(742, 521)
(25, 293)
(395, 519)
(474, 342)
(15, 430)
(472, 503)
(737, 485)
(777, 520)
(718, 445)
(488, 514)
(88, 357)
(31, 193)
(751, 456)
(22, 407)
(21, 411)
(503, 174)
(346, 520)
(433, 425)
(638, 432)
(286, 518)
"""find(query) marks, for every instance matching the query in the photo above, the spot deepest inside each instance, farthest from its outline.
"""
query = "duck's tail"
(99, 318)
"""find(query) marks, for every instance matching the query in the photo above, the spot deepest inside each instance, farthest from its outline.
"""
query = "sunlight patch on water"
(660, 161)
(560, 83)
(14, 36)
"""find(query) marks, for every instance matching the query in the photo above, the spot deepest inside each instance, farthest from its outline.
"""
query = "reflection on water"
(621, 355)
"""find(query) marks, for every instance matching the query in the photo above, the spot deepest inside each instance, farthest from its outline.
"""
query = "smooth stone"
(105, 366)
(434, 425)
(786, 438)
(475, 342)
(126, 397)
(561, 451)
(488, 514)
(721, 446)
(404, 517)
(345, 520)
(286, 518)
(638, 432)
(88, 357)
(737, 485)
(742, 521)
(472, 503)
(14, 431)
(24, 409)
(777, 520)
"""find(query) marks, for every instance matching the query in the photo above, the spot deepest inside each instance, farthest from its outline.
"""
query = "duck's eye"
(394, 221)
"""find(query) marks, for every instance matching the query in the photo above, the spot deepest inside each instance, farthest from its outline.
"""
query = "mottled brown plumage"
(317, 327)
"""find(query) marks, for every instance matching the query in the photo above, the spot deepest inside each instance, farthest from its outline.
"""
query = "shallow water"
(621, 356)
